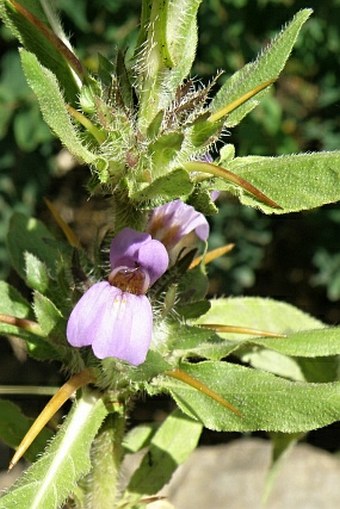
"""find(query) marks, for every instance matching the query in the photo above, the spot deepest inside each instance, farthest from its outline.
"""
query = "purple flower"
(115, 316)
(178, 226)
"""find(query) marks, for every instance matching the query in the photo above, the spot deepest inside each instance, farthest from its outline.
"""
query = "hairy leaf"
(29, 235)
(169, 39)
(52, 104)
(169, 447)
(258, 313)
(34, 40)
(52, 478)
(295, 182)
(266, 402)
(174, 184)
(265, 68)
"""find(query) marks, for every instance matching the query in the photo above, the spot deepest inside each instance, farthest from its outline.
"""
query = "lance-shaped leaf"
(37, 276)
(53, 405)
(275, 317)
(29, 23)
(265, 68)
(52, 104)
(168, 39)
(49, 481)
(309, 343)
(296, 182)
(258, 313)
(48, 315)
(227, 175)
(169, 447)
(181, 32)
(266, 402)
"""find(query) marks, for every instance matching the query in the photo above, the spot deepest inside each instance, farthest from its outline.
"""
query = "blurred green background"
(296, 257)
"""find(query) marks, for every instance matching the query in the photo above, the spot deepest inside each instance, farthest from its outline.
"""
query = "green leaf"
(29, 235)
(201, 200)
(266, 402)
(265, 68)
(35, 41)
(100, 486)
(12, 303)
(48, 315)
(258, 313)
(320, 369)
(186, 341)
(193, 309)
(52, 478)
(274, 362)
(14, 426)
(170, 446)
(272, 316)
(310, 343)
(173, 185)
(169, 43)
(138, 437)
(36, 273)
(52, 325)
(193, 285)
(204, 132)
(151, 367)
(295, 182)
(181, 33)
(163, 151)
(52, 104)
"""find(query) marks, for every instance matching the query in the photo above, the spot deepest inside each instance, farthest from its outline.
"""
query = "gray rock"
(232, 476)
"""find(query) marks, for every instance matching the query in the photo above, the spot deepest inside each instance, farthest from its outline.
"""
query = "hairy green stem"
(101, 484)
(126, 213)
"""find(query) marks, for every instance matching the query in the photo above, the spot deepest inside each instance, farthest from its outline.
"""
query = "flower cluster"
(115, 316)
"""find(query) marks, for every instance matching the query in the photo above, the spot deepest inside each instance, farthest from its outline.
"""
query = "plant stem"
(107, 451)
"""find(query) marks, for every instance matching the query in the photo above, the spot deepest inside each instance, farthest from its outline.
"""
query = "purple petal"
(87, 316)
(128, 331)
(172, 221)
(214, 195)
(206, 158)
(131, 248)
(116, 324)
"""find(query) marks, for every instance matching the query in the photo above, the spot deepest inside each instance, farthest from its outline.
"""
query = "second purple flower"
(178, 226)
